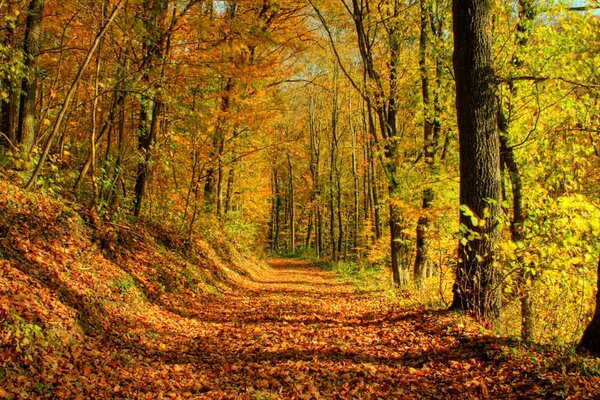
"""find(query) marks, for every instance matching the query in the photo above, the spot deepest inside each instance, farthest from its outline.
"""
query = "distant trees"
(311, 127)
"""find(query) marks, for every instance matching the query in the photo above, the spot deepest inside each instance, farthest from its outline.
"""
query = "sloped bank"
(71, 286)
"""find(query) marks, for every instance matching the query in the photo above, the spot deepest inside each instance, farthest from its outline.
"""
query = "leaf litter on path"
(297, 332)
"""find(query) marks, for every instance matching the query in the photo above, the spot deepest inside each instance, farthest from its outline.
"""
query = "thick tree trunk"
(590, 341)
(31, 51)
(476, 288)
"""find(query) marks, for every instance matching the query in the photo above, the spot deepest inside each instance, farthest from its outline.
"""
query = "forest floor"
(299, 332)
(89, 310)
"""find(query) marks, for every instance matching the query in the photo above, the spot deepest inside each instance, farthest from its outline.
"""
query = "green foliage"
(242, 232)
(28, 339)
(125, 284)
(365, 277)
(302, 253)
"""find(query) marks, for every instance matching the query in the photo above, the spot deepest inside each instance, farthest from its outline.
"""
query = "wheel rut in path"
(299, 332)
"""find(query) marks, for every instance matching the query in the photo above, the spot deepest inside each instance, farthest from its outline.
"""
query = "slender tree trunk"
(292, 206)
(93, 132)
(69, 96)
(155, 51)
(509, 161)
(319, 232)
(332, 168)
(111, 195)
(355, 191)
(476, 287)
(230, 188)
(309, 229)
(422, 260)
(9, 107)
(314, 166)
(214, 169)
(276, 210)
(340, 222)
(374, 192)
(31, 51)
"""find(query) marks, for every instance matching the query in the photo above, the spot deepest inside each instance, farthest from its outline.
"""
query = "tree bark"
(315, 165)
(31, 50)
(355, 189)
(384, 101)
(218, 145)
(292, 207)
(509, 161)
(151, 109)
(276, 211)
(590, 341)
(9, 106)
(422, 259)
(230, 188)
(476, 288)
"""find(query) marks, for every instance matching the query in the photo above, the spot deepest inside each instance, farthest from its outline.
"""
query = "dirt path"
(300, 333)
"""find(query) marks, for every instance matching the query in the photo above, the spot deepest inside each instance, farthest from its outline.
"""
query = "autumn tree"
(154, 48)
(374, 25)
(9, 73)
(477, 283)
(29, 86)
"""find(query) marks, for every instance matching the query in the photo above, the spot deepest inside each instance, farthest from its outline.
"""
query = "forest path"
(299, 332)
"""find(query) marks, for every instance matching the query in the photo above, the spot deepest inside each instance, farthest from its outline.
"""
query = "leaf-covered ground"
(298, 332)
(88, 311)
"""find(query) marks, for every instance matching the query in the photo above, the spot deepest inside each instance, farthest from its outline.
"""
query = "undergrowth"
(434, 292)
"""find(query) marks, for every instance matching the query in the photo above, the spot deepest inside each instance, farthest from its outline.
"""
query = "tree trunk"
(230, 188)
(9, 106)
(69, 96)
(155, 52)
(214, 169)
(590, 341)
(276, 211)
(332, 168)
(314, 166)
(118, 120)
(509, 162)
(422, 260)
(355, 191)
(292, 207)
(31, 51)
(476, 288)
